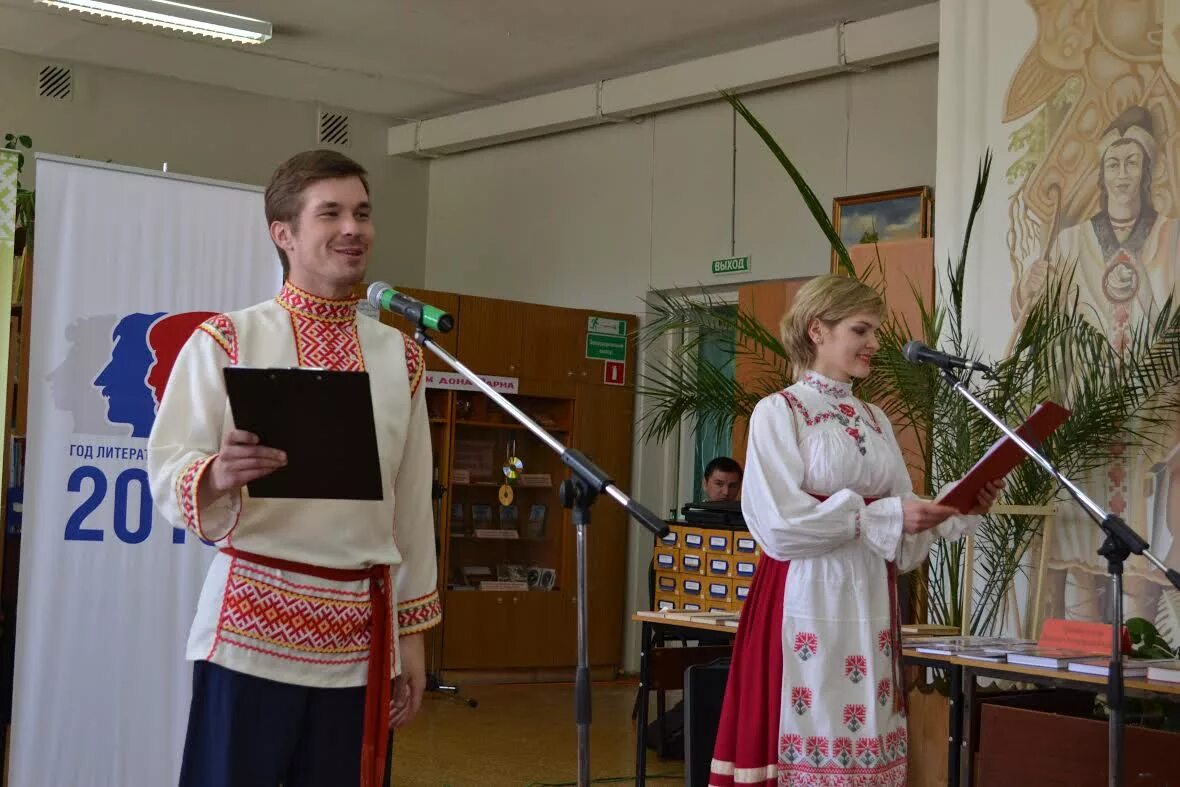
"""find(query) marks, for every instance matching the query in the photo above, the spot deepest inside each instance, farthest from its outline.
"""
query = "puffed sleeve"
(789, 523)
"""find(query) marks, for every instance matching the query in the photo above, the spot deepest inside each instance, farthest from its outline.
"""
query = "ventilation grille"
(55, 83)
(334, 129)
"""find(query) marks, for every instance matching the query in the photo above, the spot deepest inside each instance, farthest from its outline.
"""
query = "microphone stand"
(1120, 543)
(577, 494)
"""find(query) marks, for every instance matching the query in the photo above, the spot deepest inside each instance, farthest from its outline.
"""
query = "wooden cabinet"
(554, 345)
(494, 628)
(606, 535)
(489, 335)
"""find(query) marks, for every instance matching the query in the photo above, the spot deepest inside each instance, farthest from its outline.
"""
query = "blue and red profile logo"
(114, 376)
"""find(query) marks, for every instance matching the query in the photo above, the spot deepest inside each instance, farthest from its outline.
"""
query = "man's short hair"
(722, 464)
(284, 194)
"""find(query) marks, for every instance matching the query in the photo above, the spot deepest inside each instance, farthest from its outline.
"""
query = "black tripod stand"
(433, 677)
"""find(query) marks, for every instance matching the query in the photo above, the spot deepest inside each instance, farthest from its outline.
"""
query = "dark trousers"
(245, 731)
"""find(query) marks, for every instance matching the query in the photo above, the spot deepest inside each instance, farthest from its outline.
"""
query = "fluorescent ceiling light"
(175, 16)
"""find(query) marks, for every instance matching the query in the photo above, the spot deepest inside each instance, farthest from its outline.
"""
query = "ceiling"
(414, 59)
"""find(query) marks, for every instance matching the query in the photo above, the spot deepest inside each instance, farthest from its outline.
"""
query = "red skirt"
(746, 751)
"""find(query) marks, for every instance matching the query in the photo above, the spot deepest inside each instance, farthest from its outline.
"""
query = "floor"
(522, 735)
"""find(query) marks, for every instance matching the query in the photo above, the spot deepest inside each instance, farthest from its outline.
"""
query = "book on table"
(1167, 671)
(1049, 658)
(1100, 665)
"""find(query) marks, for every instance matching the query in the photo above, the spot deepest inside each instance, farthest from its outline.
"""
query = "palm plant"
(1057, 353)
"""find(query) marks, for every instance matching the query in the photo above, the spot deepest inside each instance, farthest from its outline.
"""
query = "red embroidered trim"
(221, 328)
(830, 388)
(414, 365)
(187, 484)
(420, 614)
(314, 627)
(327, 345)
(297, 587)
(843, 760)
(304, 304)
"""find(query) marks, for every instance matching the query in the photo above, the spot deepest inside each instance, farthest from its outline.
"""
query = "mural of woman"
(1124, 259)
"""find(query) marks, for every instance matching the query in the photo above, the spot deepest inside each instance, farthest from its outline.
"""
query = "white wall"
(144, 121)
(594, 218)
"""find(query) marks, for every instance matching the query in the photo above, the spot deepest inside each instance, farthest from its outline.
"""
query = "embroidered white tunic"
(284, 625)
(837, 725)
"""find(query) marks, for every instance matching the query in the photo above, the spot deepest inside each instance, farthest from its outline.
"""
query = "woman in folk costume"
(814, 694)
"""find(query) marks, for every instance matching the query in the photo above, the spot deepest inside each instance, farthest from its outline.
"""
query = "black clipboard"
(322, 419)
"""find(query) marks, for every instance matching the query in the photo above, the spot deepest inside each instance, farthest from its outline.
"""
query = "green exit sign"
(731, 265)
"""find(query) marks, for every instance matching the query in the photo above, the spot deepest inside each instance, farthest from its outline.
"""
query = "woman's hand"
(987, 496)
(919, 515)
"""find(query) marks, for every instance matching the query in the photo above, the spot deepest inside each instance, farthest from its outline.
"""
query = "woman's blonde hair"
(828, 299)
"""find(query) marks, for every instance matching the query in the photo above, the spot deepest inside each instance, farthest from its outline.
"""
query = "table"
(962, 674)
(653, 621)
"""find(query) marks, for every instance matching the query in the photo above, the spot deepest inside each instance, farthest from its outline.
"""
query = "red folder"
(1004, 456)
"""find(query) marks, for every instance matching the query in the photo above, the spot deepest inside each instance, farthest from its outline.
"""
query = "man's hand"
(408, 687)
(239, 461)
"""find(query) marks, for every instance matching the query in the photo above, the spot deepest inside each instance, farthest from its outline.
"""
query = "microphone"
(916, 352)
(383, 296)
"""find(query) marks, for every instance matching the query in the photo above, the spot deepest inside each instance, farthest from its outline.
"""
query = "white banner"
(128, 263)
(1079, 101)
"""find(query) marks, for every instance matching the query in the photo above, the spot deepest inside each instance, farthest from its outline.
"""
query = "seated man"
(722, 480)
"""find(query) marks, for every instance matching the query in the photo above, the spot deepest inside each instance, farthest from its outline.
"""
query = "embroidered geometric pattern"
(186, 493)
(816, 749)
(791, 747)
(826, 387)
(304, 304)
(326, 345)
(221, 328)
(844, 414)
(885, 642)
(414, 365)
(854, 716)
(855, 668)
(264, 612)
(325, 330)
(801, 699)
(820, 761)
(806, 645)
(419, 614)
(884, 692)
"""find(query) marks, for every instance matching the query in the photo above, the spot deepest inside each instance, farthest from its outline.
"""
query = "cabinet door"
(474, 625)
(511, 630)
(603, 418)
(448, 302)
(553, 343)
(490, 335)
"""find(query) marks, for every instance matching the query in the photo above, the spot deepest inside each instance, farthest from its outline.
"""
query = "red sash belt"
(377, 691)
(899, 690)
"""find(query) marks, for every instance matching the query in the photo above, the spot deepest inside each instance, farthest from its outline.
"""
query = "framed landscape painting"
(900, 214)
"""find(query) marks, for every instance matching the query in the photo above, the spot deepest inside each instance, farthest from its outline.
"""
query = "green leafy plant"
(1057, 354)
(25, 198)
(1147, 642)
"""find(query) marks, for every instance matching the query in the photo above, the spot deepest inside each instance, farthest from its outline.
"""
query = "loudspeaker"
(704, 692)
